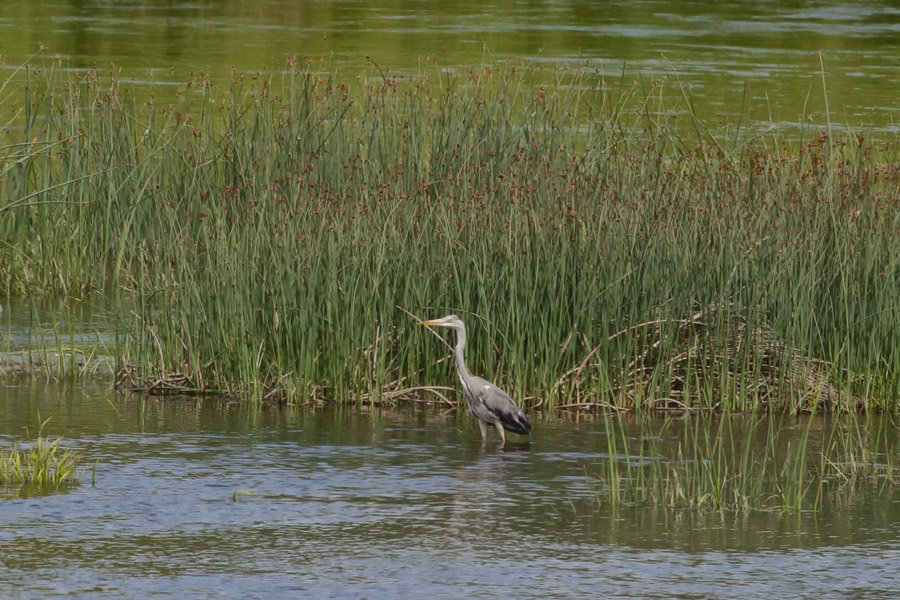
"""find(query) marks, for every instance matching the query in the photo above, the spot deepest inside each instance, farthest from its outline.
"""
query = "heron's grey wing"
(500, 406)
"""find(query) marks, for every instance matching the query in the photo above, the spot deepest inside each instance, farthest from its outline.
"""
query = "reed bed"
(276, 235)
(741, 464)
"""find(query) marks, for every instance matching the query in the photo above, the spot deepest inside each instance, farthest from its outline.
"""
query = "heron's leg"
(501, 432)
(483, 428)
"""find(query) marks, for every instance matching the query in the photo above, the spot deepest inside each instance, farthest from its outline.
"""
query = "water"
(59, 336)
(399, 503)
(407, 504)
(720, 50)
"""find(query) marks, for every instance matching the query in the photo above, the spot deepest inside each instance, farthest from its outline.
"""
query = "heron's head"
(448, 321)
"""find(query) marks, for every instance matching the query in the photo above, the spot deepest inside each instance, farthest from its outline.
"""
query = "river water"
(401, 503)
(757, 64)
(407, 503)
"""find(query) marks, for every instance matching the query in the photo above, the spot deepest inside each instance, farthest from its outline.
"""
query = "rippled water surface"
(770, 50)
(354, 503)
(404, 503)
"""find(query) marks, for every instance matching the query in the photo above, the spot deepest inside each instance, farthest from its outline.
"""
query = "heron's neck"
(460, 361)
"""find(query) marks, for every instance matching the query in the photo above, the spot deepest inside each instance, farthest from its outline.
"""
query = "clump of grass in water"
(743, 464)
(40, 465)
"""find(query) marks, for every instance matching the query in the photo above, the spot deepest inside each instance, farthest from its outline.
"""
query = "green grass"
(744, 464)
(271, 236)
(41, 465)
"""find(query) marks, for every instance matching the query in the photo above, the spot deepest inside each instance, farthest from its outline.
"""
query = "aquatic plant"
(240, 493)
(739, 464)
(271, 234)
(42, 464)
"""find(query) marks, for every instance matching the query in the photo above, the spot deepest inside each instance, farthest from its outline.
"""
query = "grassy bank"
(272, 232)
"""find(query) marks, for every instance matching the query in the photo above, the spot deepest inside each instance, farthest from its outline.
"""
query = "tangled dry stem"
(716, 354)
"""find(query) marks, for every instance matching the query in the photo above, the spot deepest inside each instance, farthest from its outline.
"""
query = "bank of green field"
(278, 234)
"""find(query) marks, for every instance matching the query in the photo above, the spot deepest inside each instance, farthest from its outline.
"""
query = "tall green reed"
(273, 231)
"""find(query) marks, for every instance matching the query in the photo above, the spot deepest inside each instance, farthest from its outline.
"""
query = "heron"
(488, 404)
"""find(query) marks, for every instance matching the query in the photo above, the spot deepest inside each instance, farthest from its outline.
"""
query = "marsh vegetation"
(742, 464)
(274, 234)
(40, 466)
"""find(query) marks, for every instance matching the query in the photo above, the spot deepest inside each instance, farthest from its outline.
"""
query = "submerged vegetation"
(275, 233)
(740, 464)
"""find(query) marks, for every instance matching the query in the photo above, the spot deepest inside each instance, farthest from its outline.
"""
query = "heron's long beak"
(430, 323)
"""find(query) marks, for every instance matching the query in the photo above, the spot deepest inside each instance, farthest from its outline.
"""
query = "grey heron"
(487, 403)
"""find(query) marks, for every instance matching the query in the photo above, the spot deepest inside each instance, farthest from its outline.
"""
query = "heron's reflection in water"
(485, 503)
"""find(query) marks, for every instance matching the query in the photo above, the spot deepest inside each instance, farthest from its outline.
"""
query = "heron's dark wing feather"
(500, 406)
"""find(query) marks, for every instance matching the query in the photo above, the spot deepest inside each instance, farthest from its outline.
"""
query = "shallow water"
(770, 49)
(55, 337)
(387, 504)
